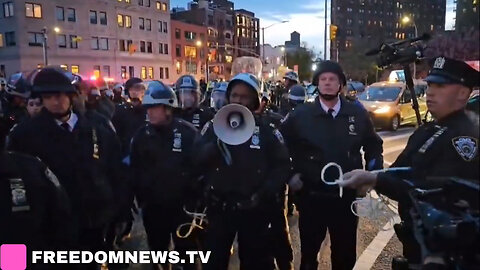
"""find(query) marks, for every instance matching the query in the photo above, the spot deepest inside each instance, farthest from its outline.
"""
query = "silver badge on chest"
(466, 147)
(255, 142)
(177, 141)
(196, 120)
(351, 126)
(19, 195)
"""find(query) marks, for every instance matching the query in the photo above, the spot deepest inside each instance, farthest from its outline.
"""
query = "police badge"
(466, 147)
(19, 195)
(177, 142)
(256, 139)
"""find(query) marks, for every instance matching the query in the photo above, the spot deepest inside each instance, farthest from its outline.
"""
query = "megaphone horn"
(234, 124)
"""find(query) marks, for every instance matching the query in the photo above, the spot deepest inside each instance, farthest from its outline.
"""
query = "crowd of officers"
(80, 157)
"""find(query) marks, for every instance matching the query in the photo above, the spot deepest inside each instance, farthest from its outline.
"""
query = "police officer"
(189, 96)
(296, 96)
(446, 147)
(161, 159)
(238, 194)
(328, 130)
(219, 97)
(117, 94)
(34, 208)
(105, 105)
(290, 79)
(130, 116)
(84, 156)
(14, 102)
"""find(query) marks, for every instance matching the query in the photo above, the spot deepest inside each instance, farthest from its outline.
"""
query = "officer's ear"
(463, 93)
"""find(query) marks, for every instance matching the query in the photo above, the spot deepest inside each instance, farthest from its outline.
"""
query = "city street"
(376, 241)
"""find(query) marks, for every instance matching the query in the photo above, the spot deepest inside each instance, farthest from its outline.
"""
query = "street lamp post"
(406, 20)
(263, 38)
(284, 56)
(198, 43)
(45, 44)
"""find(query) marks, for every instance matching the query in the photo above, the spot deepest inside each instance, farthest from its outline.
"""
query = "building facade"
(367, 23)
(115, 39)
(217, 17)
(274, 66)
(247, 34)
(467, 15)
(188, 49)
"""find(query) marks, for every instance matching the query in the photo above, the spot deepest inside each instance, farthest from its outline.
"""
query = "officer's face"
(443, 99)
(242, 94)
(56, 103)
(187, 98)
(34, 106)
(328, 83)
(136, 93)
(160, 115)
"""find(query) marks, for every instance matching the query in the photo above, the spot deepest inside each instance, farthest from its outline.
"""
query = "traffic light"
(333, 31)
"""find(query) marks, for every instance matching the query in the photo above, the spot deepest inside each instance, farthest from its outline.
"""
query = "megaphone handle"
(225, 152)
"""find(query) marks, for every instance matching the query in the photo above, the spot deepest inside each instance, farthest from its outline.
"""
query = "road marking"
(375, 248)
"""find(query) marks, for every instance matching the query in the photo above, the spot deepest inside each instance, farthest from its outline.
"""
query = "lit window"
(120, 20)
(96, 71)
(158, 5)
(33, 10)
(190, 51)
(64, 67)
(1, 40)
(164, 7)
(75, 69)
(143, 73)
(150, 72)
(128, 21)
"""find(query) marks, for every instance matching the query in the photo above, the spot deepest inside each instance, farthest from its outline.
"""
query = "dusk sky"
(301, 14)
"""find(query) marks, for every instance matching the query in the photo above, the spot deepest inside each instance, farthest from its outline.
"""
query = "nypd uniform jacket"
(162, 162)
(445, 148)
(127, 120)
(314, 139)
(259, 166)
(199, 117)
(86, 162)
(34, 209)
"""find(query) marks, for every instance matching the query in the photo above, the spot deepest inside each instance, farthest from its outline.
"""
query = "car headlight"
(381, 110)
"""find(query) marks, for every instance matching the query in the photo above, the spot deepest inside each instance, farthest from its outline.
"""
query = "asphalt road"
(376, 244)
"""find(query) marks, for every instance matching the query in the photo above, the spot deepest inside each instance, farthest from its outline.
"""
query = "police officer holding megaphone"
(245, 163)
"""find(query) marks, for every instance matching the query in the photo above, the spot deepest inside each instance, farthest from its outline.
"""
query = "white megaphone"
(234, 124)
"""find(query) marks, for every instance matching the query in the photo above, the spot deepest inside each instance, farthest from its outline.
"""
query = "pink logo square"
(13, 257)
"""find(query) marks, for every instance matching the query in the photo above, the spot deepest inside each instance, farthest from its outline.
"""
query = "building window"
(96, 71)
(103, 18)
(71, 16)
(190, 35)
(75, 69)
(178, 51)
(190, 51)
(123, 72)
(178, 67)
(106, 71)
(1, 40)
(149, 47)
(161, 73)
(150, 72)
(177, 33)
(7, 9)
(160, 48)
(141, 24)
(103, 44)
(93, 17)
(94, 43)
(147, 3)
(10, 39)
(228, 36)
(148, 23)
(191, 68)
(64, 67)
(140, 2)
(73, 42)
(131, 71)
(62, 41)
(142, 46)
(128, 21)
(121, 45)
(143, 73)
(60, 13)
(120, 20)
(165, 27)
(167, 74)
(164, 7)
(35, 39)
(33, 10)
(165, 48)
(158, 5)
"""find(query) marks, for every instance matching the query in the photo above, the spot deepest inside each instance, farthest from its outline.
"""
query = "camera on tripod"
(401, 52)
